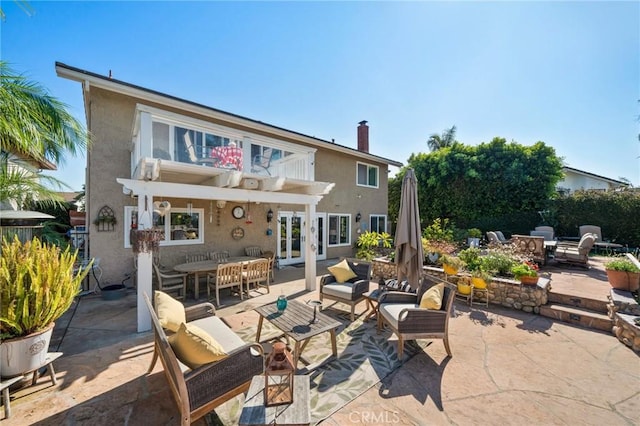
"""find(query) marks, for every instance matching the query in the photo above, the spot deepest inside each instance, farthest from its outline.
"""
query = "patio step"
(578, 302)
(579, 316)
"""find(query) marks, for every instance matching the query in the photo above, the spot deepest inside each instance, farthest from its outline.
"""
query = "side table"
(372, 298)
(254, 412)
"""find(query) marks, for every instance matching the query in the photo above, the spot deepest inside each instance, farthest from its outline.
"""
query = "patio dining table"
(207, 266)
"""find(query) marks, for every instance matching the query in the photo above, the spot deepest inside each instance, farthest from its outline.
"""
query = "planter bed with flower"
(502, 291)
(624, 310)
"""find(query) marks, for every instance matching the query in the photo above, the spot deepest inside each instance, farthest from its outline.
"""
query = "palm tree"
(34, 128)
(447, 139)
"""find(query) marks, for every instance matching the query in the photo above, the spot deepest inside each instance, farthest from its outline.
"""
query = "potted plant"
(473, 237)
(526, 272)
(38, 283)
(623, 274)
(451, 264)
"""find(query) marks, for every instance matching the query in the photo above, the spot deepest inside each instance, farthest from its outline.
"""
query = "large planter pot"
(464, 288)
(24, 354)
(622, 280)
(449, 269)
(528, 280)
(478, 283)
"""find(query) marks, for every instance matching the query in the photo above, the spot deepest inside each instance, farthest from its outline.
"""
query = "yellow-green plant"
(37, 285)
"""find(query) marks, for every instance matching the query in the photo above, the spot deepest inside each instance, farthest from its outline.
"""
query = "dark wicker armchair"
(350, 292)
(199, 391)
(402, 313)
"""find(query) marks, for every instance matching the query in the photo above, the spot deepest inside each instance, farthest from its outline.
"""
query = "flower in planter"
(525, 269)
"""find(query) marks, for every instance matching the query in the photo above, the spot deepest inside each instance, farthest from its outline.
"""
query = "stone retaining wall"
(505, 292)
(624, 310)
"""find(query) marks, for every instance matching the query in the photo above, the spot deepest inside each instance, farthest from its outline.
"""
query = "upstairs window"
(367, 175)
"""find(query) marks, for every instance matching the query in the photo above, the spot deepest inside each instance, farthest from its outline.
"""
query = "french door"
(291, 237)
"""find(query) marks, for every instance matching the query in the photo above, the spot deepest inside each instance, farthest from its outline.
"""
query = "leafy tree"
(34, 127)
(436, 141)
(471, 184)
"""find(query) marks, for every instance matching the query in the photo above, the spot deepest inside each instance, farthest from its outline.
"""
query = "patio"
(507, 367)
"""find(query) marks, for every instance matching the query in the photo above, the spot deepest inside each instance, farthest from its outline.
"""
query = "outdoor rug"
(364, 358)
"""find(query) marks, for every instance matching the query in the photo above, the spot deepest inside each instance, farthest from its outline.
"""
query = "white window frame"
(340, 216)
(369, 167)
(129, 211)
(378, 216)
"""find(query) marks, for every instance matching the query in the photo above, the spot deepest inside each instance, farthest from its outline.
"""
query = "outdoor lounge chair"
(200, 390)
(576, 255)
(350, 290)
(401, 311)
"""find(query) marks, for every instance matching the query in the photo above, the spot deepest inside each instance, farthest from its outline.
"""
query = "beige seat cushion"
(342, 271)
(216, 328)
(391, 312)
(432, 298)
(169, 310)
(195, 347)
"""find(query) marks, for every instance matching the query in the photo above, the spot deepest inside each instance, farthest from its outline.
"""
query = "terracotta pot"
(478, 283)
(622, 280)
(529, 280)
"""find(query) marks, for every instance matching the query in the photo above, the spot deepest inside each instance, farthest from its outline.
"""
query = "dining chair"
(219, 256)
(256, 273)
(171, 281)
(228, 275)
(196, 257)
(271, 256)
(254, 251)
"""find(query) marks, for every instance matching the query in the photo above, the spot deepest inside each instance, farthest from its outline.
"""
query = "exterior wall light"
(358, 217)
(269, 215)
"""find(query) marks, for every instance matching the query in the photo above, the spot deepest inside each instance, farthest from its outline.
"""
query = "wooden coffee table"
(296, 323)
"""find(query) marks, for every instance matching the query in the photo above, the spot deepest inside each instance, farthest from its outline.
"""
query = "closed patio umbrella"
(408, 239)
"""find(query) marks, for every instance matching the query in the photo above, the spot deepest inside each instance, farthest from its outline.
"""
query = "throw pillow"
(169, 310)
(432, 298)
(395, 285)
(195, 347)
(342, 271)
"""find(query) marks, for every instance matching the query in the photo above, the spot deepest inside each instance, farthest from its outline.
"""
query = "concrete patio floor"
(508, 367)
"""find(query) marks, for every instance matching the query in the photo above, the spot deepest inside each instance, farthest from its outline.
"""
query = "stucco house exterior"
(579, 180)
(221, 174)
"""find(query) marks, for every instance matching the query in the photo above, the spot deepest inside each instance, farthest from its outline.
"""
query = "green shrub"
(38, 283)
(621, 264)
(372, 244)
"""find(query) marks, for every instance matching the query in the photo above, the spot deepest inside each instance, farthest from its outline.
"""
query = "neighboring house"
(578, 180)
(222, 174)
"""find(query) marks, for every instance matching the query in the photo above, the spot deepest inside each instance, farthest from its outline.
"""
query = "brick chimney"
(363, 136)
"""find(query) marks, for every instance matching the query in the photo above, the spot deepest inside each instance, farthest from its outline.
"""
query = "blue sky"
(565, 73)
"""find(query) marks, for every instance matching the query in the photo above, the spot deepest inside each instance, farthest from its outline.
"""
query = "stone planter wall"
(623, 310)
(505, 292)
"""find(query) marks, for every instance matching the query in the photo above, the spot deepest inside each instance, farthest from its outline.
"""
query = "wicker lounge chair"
(199, 391)
(402, 313)
(576, 255)
(350, 292)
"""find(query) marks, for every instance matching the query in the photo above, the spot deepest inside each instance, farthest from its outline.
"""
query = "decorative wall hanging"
(237, 233)
(106, 220)
(146, 240)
